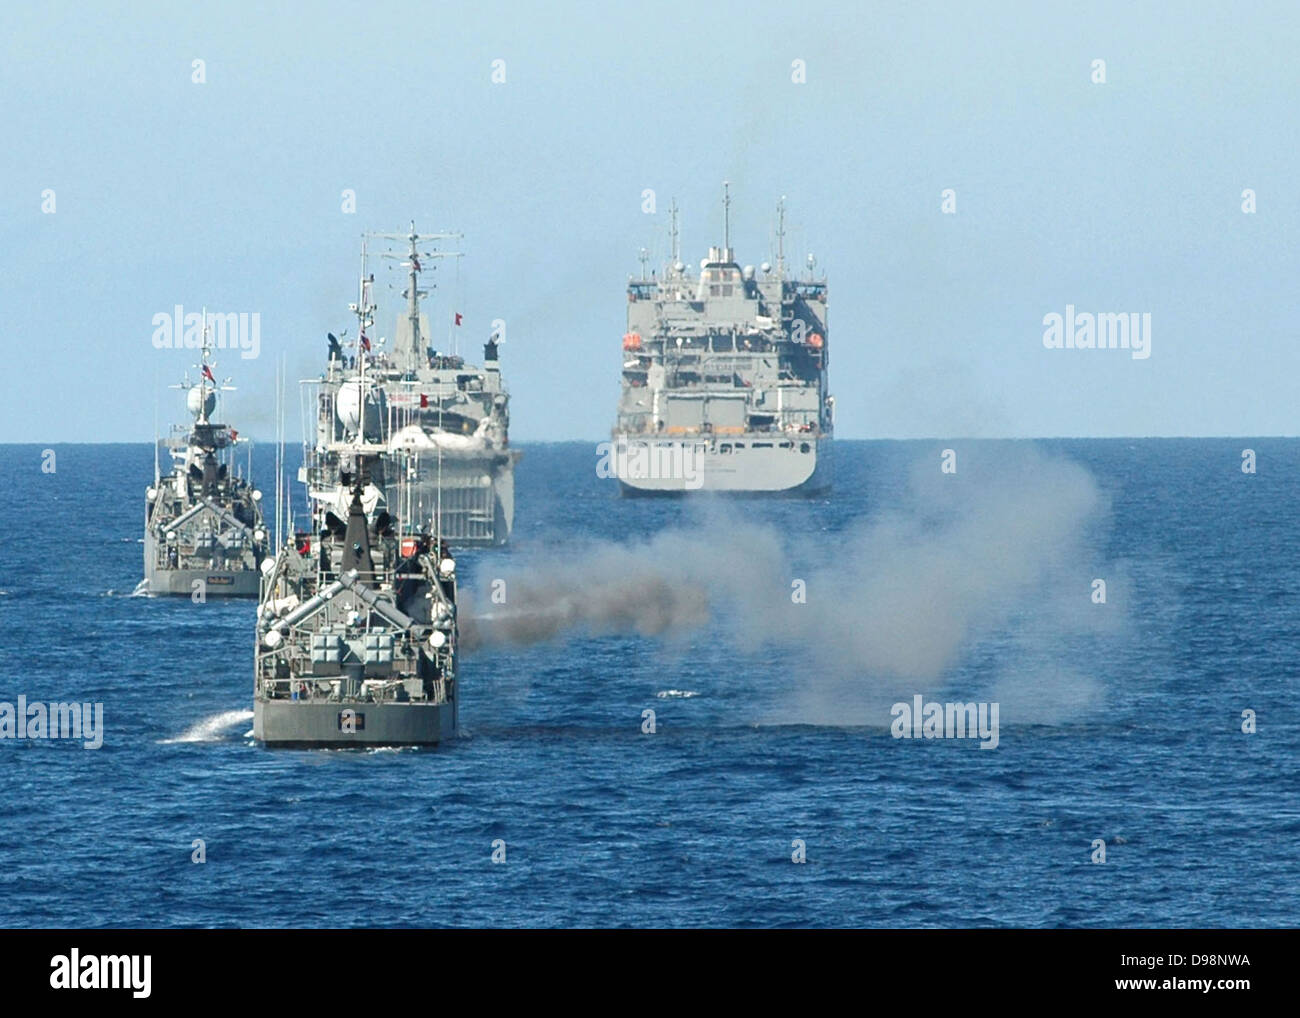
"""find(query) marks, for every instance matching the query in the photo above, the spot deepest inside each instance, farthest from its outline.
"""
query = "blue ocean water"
(695, 824)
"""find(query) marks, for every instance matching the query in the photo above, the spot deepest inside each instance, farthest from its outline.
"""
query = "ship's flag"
(415, 263)
(234, 435)
(424, 401)
(458, 317)
(207, 373)
(365, 343)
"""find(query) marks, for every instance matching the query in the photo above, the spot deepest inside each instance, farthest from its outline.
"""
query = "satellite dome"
(198, 405)
(349, 405)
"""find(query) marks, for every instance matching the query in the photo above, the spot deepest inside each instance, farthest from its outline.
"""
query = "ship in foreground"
(204, 534)
(451, 417)
(725, 378)
(356, 628)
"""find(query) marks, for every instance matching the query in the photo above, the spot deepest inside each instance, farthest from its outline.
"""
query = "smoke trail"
(998, 551)
(665, 587)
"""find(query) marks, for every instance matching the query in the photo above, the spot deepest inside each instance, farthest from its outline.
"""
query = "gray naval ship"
(204, 534)
(356, 629)
(724, 377)
(451, 417)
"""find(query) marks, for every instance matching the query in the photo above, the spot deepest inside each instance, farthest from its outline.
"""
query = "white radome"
(199, 406)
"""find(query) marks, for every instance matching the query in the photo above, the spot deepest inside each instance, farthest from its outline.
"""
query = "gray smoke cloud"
(997, 556)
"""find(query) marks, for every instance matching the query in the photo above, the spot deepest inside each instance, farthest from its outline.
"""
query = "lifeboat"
(631, 341)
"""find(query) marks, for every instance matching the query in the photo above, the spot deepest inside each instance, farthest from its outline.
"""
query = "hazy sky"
(1117, 197)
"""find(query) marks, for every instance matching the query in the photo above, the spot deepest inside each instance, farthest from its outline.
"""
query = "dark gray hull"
(216, 583)
(301, 724)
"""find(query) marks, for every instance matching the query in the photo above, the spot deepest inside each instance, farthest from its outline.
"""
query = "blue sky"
(1117, 197)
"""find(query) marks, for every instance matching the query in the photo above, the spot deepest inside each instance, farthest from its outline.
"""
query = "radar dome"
(349, 405)
(350, 412)
(198, 405)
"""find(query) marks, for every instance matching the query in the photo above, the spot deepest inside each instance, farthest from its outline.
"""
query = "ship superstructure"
(356, 630)
(451, 417)
(725, 377)
(204, 534)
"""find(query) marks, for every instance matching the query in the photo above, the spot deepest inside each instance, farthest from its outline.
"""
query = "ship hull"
(674, 467)
(301, 724)
(159, 581)
(215, 582)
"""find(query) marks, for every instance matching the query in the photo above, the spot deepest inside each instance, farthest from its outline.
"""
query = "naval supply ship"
(451, 417)
(724, 377)
(203, 524)
(356, 629)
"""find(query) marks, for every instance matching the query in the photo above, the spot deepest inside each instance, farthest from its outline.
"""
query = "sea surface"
(1121, 722)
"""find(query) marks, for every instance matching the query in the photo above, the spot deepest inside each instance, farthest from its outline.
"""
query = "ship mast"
(205, 371)
(674, 246)
(409, 357)
(726, 221)
(364, 309)
(780, 238)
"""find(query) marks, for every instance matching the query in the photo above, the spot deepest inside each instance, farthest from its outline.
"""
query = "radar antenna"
(411, 356)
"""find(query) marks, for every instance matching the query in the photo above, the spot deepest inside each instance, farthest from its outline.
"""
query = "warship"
(450, 417)
(356, 627)
(204, 534)
(724, 383)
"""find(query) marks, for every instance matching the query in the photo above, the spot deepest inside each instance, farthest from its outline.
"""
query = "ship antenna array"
(364, 309)
(207, 380)
(673, 245)
(415, 355)
(156, 475)
(279, 452)
(780, 238)
(726, 220)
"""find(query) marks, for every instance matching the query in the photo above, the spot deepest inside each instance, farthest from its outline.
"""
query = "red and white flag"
(458, 317)
(207, 373)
